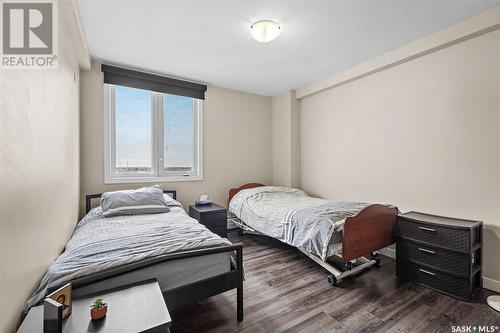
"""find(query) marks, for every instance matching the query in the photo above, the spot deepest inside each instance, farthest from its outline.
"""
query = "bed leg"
(348, 265)
(239, 289)
(239, 301)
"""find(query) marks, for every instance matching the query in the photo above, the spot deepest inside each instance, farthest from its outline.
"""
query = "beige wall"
(39, 170)
(237, 136)
(424, 135)
(286, 140)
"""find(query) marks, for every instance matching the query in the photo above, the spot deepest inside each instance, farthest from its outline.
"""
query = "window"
(151, 136)
(133, 146)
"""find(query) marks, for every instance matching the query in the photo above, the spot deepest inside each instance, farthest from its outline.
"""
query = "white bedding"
(262, 208)
(290, 215)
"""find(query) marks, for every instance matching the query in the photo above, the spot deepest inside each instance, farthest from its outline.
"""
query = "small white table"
(135, 308)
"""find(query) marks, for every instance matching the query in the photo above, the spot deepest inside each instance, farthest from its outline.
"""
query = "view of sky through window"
(133, 112)
(133, 129)
(178, 133)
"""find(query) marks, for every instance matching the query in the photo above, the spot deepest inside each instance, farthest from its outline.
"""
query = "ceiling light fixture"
(265, 31)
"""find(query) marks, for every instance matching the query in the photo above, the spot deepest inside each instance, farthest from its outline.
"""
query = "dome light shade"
(265, 31)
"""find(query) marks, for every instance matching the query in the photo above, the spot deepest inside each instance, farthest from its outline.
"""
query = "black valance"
(134, 79)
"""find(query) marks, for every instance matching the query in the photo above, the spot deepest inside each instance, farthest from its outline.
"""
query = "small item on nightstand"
(63, 296)
(203, 203)
(98, 309)
(52, 316)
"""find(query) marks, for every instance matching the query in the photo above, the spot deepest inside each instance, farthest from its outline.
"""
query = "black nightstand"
(213, 217)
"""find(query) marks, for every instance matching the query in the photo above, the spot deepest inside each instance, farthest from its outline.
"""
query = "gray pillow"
(171, 202)
(146, 200)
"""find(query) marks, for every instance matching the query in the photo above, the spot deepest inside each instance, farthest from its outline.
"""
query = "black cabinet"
(213, 217)
(439, 252)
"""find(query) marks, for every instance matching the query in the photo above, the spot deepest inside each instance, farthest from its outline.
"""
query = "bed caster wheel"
(348, 265)
(332, 280)
(377, 262)
(374, 255)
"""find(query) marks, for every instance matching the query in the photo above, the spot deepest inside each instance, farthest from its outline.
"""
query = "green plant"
(98, 304)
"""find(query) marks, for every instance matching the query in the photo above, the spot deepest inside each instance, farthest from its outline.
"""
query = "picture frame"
(52, 316)
(63, 296)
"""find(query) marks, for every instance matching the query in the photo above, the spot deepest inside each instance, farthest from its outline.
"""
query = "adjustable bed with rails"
(323, 230)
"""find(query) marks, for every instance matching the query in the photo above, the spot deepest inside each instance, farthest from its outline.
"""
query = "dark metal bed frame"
(181, 296)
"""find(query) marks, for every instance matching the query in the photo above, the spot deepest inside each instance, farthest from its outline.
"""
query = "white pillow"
(146, 200)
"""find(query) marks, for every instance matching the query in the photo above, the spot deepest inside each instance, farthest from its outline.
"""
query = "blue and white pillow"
(146, 200)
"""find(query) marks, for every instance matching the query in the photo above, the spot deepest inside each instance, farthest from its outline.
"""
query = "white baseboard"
(491, 284)
(388, 252)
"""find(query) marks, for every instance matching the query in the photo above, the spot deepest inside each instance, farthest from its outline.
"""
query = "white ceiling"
(209, 41)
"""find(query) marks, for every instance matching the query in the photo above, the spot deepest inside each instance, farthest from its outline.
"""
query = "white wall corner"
(75, 26)
(286, 139)
(294, 140)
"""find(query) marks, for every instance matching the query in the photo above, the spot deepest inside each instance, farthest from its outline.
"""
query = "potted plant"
(98, 309)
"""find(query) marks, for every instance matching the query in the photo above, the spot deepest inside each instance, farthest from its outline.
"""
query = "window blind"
(147, 81)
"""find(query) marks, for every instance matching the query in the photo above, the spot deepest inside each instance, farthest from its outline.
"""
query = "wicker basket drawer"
(454, 262)
(452, 285)
(452, 238)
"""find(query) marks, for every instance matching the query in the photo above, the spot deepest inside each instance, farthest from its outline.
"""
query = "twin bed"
(191, 263)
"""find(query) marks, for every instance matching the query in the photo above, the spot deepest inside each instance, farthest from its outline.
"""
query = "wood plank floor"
(287, 292)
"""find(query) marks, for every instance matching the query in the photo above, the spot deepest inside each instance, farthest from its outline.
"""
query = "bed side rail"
(371, 230)
(183, 295)
(238, 248)
(197, 291)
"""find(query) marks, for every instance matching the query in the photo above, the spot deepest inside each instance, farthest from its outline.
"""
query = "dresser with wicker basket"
(441, 253)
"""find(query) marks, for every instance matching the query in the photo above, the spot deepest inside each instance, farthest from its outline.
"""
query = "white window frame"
(158, 173)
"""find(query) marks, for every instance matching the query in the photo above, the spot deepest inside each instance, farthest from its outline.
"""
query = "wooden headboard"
(89, 197)
(234, 191)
